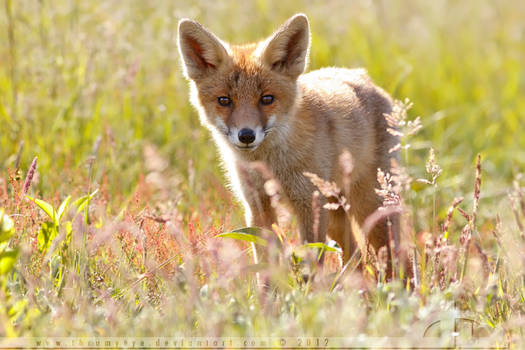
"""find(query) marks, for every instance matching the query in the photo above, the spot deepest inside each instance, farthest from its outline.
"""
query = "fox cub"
(259, 106)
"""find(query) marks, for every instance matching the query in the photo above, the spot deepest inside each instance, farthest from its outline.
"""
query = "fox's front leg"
(312, 222)
(258, 210)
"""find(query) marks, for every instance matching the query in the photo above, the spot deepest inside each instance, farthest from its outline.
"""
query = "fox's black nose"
(246, 136)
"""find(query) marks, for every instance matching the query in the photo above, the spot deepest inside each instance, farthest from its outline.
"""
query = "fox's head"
(244, 91)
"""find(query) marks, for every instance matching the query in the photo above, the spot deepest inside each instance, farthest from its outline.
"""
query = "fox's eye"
(224, 101)
(267, 99)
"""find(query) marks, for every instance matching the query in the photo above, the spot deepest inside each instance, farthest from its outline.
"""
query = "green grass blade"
(83, 201)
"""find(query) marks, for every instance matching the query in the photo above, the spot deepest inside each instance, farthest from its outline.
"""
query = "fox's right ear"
(200, 50)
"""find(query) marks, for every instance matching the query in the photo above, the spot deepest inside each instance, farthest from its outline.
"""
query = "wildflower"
(29, 177)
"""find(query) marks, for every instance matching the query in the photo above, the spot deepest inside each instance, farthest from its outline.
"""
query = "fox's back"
(348, 110)
(346, 94)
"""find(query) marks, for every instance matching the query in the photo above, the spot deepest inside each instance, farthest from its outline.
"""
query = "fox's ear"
(286, 50)
(200, 50)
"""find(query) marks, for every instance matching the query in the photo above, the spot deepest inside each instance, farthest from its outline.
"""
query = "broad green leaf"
(7, 227)
(62, 209)
(257, 231)
(46, 207)
(83, 201)
(46, 235)
(244, 235)
(7, 261)
(323, 246)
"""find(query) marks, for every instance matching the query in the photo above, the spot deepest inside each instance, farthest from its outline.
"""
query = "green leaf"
(46, 207)
(7, 227)
(247, 234)
(83, 201)
(7, 261)
(62, 209)
(256, 231)
(69, 232)
(323, 246)
(17, 309)
(46, 235)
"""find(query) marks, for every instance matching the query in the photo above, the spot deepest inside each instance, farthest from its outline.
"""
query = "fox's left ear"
(286, 50)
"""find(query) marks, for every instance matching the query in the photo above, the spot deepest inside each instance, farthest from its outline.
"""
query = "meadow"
(112, 230)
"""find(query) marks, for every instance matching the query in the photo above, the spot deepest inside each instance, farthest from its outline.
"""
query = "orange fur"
(314, 117)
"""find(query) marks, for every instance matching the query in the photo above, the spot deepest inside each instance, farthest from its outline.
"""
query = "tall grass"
(95, 91)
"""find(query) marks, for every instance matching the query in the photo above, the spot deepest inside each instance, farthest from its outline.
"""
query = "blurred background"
(94, 89)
